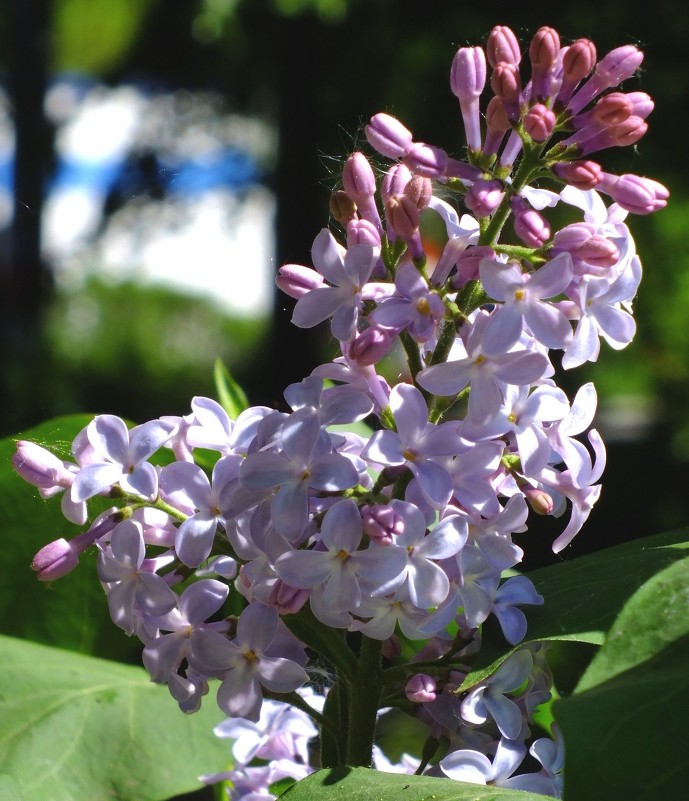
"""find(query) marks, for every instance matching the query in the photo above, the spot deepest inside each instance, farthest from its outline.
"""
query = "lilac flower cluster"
(401, 535)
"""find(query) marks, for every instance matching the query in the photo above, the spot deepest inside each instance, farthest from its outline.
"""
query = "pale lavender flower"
(186, 486)
(347, 272)
(523, 300)
(488, 374)
(489, 699)
(600, 300)
(305, 462)
(414, 306)
(119, 457)
(416, 444)
(132, 586)
(245, 664)
(341, 567)
(281, 732)
(163, 655)
(423, 581)
(467, 765)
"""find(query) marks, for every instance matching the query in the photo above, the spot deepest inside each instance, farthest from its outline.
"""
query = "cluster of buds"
(400, 535)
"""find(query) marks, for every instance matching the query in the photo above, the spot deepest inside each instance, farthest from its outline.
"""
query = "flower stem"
(364, 694)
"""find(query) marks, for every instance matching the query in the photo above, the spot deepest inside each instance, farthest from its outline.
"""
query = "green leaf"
(9, 789)
(362, 784)
(625, 725)
(583, 597)
(230, 395)
(71, 612)
(75, 728)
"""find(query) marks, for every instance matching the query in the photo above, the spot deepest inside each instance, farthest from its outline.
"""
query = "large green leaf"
(71, 612)
(583, 597)
(76, 728)
(625, 724)
(362, 784)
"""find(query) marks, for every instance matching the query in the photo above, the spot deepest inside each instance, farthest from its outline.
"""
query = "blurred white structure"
(182, 180)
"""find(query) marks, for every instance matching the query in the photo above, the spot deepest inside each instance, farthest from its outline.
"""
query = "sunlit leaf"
(361, 784)
(75, 728)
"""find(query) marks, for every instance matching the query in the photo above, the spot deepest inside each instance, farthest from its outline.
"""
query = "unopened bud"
(635, 194)
(539, 122)
(530, 226)
(420, 191)
(342, 207)
(358, 179)
(388, 136)
(539, 500)
(543, 53)
(371, 345)
(296, 280)
(426, 160)
(382, 523)
(483, 197)
(395, 181)
(420, 689)
(287, 600)
(502, 46)
(362, 232)
(468, 73)
(55, 560)
(402, 216)
(582, 174)
(506, 84)
(577, 63)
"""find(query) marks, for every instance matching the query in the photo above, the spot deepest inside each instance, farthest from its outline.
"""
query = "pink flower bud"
(388, 136)
(296, 280)
(618, 65)
(529, 225)
(577, 62)
(382, 523)
(502, 46)
(402, 216)
(497, 124)
(635, 194)
(642, 104)
(40, 468)
(468, 264)
(55, 560)
(342, 207)
(611, 109)
(483, 197)
(580, 174)
(426, 160)
(420, 689)
(539, 122)
(582, 242)
(543, 53)
(358, 179)
(371, 346)
(287, 600)
(506, 84)
(611, 70)
(468, 73)
(362, 232)
(395, 181)
(539, 500)
(420, 191)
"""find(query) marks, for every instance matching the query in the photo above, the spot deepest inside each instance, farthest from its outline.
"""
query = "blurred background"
(160, 158)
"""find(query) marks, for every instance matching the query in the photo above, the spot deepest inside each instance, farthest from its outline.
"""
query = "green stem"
(328, 642)
(363, 704)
